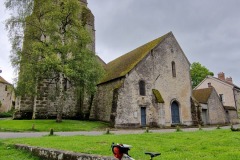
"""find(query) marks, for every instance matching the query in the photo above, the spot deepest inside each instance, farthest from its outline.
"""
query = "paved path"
(5, 135)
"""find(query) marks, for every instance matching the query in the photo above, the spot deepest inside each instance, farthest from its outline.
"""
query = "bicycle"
(120, 151)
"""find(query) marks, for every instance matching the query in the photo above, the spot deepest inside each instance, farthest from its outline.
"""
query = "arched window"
(173, 69)
(142, 88)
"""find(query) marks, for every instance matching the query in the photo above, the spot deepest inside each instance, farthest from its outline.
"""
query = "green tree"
(198, 73)
(53, 48)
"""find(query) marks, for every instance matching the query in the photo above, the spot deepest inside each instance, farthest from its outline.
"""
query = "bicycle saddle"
(152, 154)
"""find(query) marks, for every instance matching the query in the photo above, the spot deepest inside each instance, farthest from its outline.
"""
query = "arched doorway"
(175, 113)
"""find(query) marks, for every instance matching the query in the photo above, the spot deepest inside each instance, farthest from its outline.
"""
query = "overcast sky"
(208, 30)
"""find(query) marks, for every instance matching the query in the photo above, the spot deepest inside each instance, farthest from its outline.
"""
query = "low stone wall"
(53, 154)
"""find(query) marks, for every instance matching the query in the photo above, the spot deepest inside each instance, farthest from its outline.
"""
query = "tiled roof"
(124, 64)
(202, 95)
(2, 80)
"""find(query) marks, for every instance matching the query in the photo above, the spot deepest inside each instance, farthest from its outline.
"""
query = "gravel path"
(5, 135)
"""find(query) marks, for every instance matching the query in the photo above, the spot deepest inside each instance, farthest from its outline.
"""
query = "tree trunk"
(35, 102)
(61, 99)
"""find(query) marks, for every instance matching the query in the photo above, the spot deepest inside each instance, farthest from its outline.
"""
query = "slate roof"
(202, 95)
(124, 64)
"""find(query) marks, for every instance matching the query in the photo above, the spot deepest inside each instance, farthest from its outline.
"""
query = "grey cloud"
(208, 31)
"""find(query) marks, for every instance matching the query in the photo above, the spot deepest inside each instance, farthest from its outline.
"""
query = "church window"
(6, 88)
(173, 69)
(142, 88)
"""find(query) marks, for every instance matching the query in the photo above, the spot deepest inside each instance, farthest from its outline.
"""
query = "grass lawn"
(218, 144)
(7, 152)
(46, 125)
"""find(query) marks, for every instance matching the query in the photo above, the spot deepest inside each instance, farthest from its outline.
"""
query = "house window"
(173, 69)
(209, 85)
(142, 88)
(6, 88)
(221, 97)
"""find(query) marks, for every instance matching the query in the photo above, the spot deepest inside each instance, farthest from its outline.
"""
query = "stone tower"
(41, 107)
(88, 21)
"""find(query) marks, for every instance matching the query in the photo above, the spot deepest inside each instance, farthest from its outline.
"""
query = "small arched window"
(6, 88)
(173, 69)
(142, 88)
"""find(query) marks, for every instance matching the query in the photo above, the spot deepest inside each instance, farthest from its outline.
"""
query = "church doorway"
(175, 113)
(143, 116)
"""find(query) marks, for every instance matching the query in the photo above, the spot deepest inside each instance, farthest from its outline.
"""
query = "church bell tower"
(89, 23)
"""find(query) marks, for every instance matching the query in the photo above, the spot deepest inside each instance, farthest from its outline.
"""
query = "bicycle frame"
(120, 151)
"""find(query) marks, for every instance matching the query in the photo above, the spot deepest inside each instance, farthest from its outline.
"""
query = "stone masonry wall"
(6, 97)
(216, 111)
(52, 154)
(237, 99)
(103, 101)
(156, 71)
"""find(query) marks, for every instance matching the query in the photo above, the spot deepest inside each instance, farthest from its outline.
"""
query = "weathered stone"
(155, 69)
(53, 154)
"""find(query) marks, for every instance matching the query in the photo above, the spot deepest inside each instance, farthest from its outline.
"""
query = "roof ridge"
(224, 81)
(2, 80)
(122, 65)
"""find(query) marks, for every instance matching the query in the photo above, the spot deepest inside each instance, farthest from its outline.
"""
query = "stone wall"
(6, 97)
(103, 104)
(53, 154)
(237, 99)
(233, 117)
(45, 104)
(216, 111)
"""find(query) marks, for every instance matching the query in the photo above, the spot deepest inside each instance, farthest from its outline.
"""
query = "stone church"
(148, 86)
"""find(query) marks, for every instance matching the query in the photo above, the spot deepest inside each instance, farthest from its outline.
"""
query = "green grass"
(46, 125)
(8, 152)
(218, 144)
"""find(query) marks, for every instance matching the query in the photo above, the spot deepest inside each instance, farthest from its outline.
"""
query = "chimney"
(229, 80)
(221, 76)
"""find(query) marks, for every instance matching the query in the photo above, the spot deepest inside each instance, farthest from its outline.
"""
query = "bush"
(5, 114)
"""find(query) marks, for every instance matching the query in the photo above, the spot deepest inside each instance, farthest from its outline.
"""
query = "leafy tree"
(198, 73)
(53, 48)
